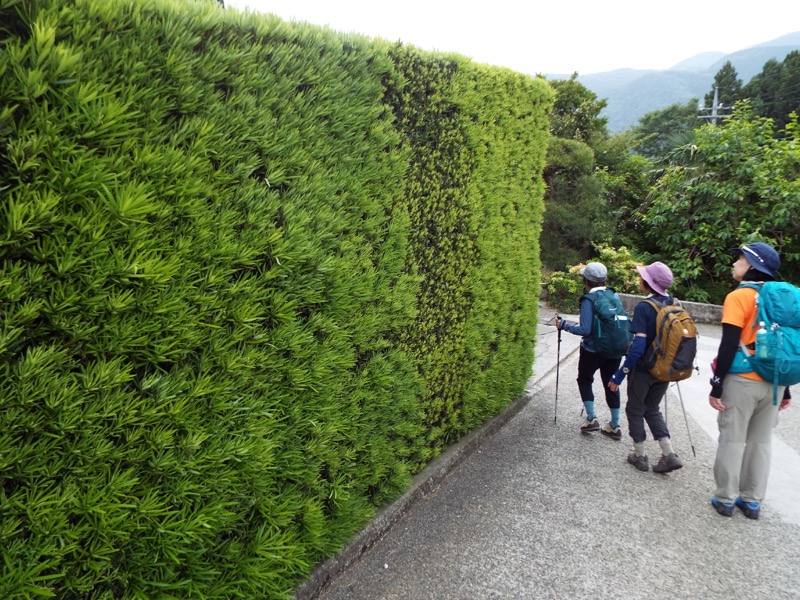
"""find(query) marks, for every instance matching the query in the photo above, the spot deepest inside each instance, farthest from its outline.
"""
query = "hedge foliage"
(565, 289)
(473, 177)
(253, 276)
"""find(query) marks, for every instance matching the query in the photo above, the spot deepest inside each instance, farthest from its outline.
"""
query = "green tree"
(775, 92)
(764, 89)
(729, 85)
(575, 209)
(576, 113)
(576, 214)
(627, 178)
(740, 184)
(662, 130)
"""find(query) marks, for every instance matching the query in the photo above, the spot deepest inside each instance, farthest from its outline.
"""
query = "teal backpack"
(611, 329)
(778, 306)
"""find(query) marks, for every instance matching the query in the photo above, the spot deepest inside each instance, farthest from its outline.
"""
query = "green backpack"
(611, 328)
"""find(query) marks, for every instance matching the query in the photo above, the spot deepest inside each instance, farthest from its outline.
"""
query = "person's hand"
(616, 379)
(785, 403)
(716, 403)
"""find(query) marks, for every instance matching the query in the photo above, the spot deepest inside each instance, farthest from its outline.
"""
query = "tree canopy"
(576, 114)
(594, 182)
(775, 92)
(741, 184)
(728, 85)
(660, 131)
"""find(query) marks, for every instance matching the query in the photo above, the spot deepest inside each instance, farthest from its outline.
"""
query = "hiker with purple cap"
(746, 402)
(644, 390)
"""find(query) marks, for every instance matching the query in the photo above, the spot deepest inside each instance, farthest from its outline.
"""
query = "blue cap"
(762, 257)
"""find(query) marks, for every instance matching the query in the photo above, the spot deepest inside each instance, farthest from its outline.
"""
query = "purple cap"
(658, 277)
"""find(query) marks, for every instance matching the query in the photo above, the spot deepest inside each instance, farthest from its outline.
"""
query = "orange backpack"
(672, 354)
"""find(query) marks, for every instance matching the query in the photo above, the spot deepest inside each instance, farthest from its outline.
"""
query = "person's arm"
(584, 327)
(635, 353)
(728, 347)
(787, 398)
(639, 346)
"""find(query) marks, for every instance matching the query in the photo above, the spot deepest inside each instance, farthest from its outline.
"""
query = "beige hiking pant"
(745, 439)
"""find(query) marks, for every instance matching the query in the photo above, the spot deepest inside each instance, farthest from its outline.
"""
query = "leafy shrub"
(715, 201)
(566, 289)
(621, 265)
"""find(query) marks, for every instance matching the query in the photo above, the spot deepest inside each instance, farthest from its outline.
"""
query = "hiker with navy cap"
(590, 359)
(645, 391)
(747, 412)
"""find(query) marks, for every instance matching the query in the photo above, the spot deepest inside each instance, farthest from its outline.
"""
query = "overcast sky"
(588, 36)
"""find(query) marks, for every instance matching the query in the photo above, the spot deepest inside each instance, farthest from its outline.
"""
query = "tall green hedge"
(253, 275)
(509, 122)
(476, 140)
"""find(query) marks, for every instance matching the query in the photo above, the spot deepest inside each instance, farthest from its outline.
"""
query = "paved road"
(540, 511)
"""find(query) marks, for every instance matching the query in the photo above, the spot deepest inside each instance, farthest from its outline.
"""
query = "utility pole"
(716, 105)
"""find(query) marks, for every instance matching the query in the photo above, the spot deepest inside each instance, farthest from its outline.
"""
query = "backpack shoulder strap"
(657, 306)
(594, 296)
(757, 287)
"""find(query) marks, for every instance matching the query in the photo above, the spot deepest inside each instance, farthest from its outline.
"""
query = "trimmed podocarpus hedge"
(253, 276)
(475, 135)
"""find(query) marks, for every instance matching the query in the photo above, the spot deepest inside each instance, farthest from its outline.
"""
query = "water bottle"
(762, 349)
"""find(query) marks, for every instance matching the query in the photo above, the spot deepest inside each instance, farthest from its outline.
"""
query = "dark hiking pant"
(644, 404)
(588, 364)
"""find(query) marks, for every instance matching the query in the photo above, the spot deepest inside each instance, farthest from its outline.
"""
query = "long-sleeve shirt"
(584, 327)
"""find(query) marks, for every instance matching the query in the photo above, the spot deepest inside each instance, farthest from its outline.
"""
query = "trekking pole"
(685, 419)
(558, 365)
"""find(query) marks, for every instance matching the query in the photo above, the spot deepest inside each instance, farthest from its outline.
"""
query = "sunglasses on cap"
(753, 252)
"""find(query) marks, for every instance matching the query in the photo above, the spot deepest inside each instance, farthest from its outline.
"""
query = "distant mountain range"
(632, 93)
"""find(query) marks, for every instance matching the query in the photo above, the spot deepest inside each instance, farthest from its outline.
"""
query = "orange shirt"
(740, 309)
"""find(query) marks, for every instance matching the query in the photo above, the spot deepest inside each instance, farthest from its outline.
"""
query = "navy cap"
(762, 257)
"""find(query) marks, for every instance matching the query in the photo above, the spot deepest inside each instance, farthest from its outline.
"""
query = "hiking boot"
(590, 426)
(667, 464)
(751, 510)
(615, 433)
(723, 508)
(640, 462)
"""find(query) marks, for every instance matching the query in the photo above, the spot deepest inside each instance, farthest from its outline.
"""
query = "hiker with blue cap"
(747, 412)
(599, 305)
